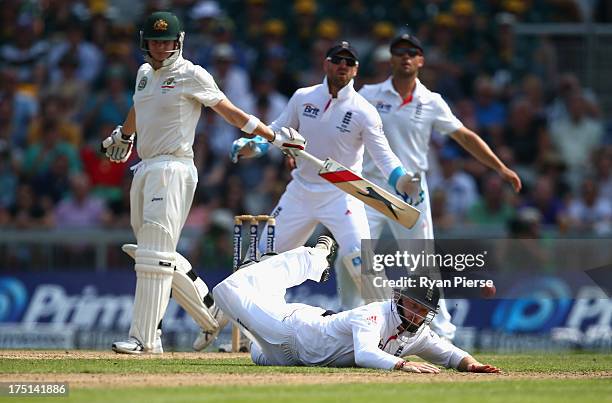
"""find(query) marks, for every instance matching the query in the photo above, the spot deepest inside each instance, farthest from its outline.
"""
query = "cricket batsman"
(168, 99)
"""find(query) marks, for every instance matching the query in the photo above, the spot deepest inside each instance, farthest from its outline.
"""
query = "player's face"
(406, 60)
(413, 311)
(340, 69)
(161, 50)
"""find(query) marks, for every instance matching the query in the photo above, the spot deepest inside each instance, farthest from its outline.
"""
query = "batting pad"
(189, 291)
(155, 260)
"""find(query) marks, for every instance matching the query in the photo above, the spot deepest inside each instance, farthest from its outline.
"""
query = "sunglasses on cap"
(338, 59)
(412, 52)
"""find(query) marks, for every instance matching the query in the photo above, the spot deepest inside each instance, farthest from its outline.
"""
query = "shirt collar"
(345, 92)
(419, 93)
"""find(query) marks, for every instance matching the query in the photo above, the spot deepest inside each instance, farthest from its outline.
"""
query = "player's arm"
(405, 183)
(249, 124)
(470, 364)
(476, 146)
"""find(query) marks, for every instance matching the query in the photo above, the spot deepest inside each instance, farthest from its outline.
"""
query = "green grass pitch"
(551, 377)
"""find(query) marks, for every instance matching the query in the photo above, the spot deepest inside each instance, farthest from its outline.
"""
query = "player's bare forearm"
(238, 118)
(476, 146)
(129, 125)
(470, 364)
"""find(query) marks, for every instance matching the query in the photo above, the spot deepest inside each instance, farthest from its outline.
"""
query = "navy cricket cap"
(411, 39)
(343, 46)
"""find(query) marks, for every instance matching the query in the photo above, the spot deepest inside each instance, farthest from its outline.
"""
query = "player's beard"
(339, 81)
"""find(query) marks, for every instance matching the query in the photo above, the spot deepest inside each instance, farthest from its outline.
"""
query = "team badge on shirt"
(346, 120)
(168, 84)
(142, 83)
(310, 111)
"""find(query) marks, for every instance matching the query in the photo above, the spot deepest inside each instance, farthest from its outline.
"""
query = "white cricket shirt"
(408, 126)
(168, 103)
(336, 128)
(360, 337)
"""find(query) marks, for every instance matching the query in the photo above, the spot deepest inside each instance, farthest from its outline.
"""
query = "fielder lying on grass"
(376, 335)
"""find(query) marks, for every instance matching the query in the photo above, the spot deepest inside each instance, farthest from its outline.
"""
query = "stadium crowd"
(67, 76)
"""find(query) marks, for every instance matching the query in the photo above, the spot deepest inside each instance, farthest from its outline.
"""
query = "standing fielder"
(169, 95)
(337, 122)
(410, 112)
(376, 335)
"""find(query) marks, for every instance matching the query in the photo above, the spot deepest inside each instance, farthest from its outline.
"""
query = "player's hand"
(510, 176)
(419, 367)
(483, 368)
(118, 146)
(248, 148)
(409, 188)
(289, 140)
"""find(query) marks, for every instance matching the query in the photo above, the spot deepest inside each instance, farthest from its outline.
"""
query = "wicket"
(254, 221)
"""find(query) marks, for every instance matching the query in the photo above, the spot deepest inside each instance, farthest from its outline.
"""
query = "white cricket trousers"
(162, 192)
(254, 298)
(301, 208)
(423, 229)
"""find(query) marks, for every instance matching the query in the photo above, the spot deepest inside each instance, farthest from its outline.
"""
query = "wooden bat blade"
(369, 193)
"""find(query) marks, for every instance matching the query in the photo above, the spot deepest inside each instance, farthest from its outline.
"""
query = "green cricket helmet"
(162, 26)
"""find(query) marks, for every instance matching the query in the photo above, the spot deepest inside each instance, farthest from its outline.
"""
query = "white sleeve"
(366, 337)
(377, 145)
(289, 117)
(437, 351)
(445, 122)
(203, 88)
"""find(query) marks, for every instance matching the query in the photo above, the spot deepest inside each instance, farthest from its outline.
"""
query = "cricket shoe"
(205, 338)
(133, 346)
(327, 243)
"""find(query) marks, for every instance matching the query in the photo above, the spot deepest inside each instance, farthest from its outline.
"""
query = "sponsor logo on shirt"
(276, 211)
(345, 122)
(372, 320)
(382, 107)
(157, 199)
(142, 83)
(418, 112)
(310, 111)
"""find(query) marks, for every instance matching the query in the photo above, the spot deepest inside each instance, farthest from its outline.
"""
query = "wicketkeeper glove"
(118, 146)
(407, 186)
(248, 148)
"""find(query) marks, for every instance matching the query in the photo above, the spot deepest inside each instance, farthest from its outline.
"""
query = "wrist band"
(250, 125)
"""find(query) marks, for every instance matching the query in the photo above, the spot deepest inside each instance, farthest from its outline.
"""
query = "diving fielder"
(410, 112)
(376, 335)
(168, 98)
(338, 123)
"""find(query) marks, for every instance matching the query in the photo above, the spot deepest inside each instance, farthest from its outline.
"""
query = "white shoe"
(133, 346)
(206, 338)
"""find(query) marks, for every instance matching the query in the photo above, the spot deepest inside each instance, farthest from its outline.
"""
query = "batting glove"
(289, 140)
(118, 146)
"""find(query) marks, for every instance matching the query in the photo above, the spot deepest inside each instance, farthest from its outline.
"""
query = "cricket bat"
(366, 191)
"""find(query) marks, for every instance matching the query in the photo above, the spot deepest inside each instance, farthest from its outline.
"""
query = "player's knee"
(154, 236)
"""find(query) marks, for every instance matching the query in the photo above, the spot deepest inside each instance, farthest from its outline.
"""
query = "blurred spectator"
(603, 171)
(111, 105)
(589, 211)
(576, 136)
(26, 53)
(87, 54)
(119, 209)
(526, 225)
(490, 112)
(214, 247)
(81, 209)
(53, 115)
(53, 184)
(26, 212)
(459, 188)
(439, 213)
(17, 110)
(70, 89)
(105, 177)
(276, 63)
(522, 133)
(39, 156)
(544, 198)
(492, 209)
(269, 102)
(8, 176)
